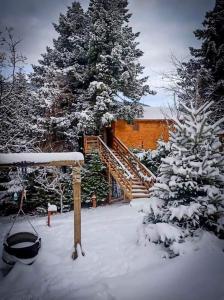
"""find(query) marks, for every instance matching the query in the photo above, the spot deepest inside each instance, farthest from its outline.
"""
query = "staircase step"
(138, 186)
(136, 182)
(140, 196)
(138, 191)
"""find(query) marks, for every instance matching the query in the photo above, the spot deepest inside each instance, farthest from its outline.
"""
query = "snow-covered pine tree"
(19, 113)
(93, 63)
(18, 108)
(205, 70)
(61, 78)
(189, 191)
(114, 67)
(94, 180)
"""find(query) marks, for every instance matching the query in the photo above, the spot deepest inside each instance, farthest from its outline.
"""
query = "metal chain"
(21, 211)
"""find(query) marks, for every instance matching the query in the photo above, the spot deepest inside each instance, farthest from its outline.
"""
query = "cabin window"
(136, 126)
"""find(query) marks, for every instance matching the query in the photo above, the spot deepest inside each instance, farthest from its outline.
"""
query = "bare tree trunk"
(61, 203)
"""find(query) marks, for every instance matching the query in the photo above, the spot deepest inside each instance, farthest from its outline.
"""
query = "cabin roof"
(156, 113)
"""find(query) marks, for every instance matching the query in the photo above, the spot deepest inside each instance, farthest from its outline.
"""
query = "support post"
(76, 183)
(48, 218)
(109, 182)
(94, 200)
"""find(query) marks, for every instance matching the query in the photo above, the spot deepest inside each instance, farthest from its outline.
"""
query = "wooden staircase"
(133, 177)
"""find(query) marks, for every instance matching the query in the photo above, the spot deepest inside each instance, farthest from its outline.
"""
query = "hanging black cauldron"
(21, 246)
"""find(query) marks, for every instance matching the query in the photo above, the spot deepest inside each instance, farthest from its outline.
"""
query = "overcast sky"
(166, 27)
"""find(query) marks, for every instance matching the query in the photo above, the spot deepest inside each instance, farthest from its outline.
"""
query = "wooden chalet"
(113, 147)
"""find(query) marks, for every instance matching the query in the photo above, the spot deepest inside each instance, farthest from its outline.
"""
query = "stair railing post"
(110, 187)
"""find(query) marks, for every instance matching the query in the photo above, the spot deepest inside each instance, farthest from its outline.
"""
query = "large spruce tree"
(93, 63)
(114, 67)
(204, 73)
(60, 78)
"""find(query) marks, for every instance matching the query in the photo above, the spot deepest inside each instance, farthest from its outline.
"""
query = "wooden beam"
(76, 182)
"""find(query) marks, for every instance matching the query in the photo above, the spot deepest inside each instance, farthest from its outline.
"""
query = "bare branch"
(10, 61)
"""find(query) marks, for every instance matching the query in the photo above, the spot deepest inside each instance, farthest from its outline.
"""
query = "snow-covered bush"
(189, 191)
(94, 180)
(152, 159)
(42, 185)
(53, 185)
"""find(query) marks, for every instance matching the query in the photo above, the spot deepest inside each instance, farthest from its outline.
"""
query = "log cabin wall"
(142, 134)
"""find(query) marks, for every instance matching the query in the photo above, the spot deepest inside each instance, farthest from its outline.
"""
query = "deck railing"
(119, 168)
(143, 173)
(116, 168)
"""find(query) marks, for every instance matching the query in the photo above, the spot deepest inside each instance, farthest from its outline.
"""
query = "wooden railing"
(144, 174)
(116, 168)
(90, 144)
(119, 168)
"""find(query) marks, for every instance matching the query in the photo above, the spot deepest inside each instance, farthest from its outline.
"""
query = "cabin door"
(109, 136)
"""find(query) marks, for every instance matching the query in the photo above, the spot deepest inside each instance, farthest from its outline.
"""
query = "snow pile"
(147, 205)
(140, 204)
(162, 232)
(52, 207)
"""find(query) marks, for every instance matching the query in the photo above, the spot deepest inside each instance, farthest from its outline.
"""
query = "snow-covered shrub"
(94, 180)
(152, 158)
(42, 185)
(52, 185)
(189, 191)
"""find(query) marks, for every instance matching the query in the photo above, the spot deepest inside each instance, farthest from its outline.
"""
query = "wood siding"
(142, 134)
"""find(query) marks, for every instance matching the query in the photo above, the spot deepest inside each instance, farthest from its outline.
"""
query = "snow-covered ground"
(115, 266)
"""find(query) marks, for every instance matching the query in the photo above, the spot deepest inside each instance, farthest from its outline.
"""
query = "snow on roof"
(156, 113)
(13, 158)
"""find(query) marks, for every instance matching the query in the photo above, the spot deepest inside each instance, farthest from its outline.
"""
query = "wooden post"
(94, 200)
(76, 182)
(124, 197)
(48, 218)
(109, 182)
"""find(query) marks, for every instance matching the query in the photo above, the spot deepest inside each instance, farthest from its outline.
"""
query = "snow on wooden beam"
(41, 159)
